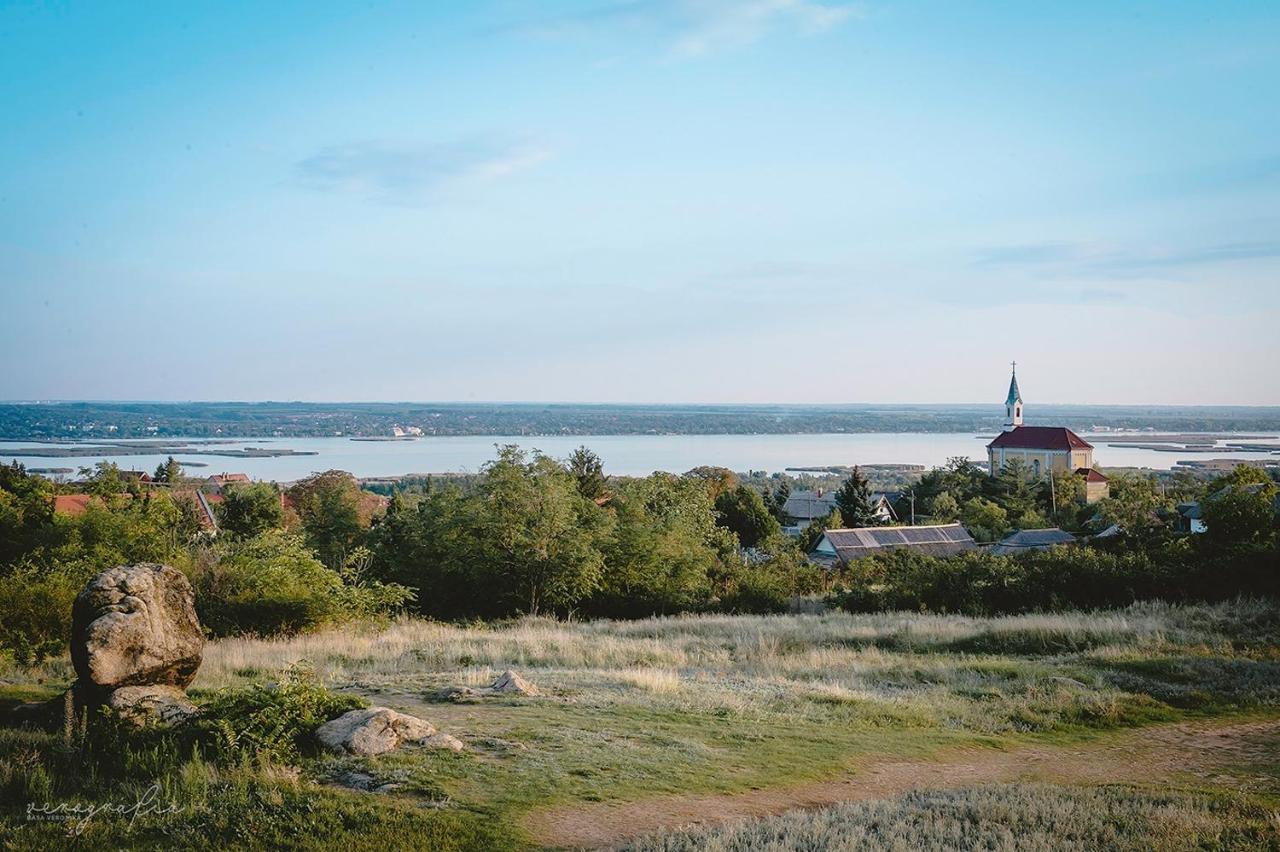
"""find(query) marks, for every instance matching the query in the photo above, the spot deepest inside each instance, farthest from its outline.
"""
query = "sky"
(641, 201)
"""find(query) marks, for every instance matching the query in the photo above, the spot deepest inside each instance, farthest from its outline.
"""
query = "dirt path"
(1221, 753)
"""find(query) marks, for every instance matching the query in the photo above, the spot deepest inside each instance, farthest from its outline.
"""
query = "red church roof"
(1040, 438)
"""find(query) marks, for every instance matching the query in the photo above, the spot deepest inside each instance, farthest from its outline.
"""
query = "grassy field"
(657, 723)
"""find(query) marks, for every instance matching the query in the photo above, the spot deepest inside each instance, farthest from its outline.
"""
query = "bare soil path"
(1234, 754)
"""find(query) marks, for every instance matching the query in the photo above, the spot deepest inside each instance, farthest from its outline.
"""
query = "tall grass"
(1030, 817)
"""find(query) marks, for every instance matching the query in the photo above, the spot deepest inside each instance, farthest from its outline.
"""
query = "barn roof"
(934, 540)
(1040, 438)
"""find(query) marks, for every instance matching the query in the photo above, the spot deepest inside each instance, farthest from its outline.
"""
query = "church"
(1043, 448)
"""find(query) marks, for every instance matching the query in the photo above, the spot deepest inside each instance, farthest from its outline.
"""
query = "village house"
(838, 547)
(1043, 449)
(804, 507)
(217, 483)
(1024, 541)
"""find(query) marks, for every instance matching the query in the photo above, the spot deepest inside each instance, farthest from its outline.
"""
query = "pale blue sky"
(657, 200)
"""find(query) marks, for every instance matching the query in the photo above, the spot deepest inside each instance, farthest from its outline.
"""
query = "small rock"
(443, 741)
(457, 693)
(373, 730)
(510, 683)
(168, 705)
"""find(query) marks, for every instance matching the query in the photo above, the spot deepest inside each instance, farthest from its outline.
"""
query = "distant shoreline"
(106, 422)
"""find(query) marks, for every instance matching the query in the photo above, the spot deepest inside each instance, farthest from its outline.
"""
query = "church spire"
(1013, 403)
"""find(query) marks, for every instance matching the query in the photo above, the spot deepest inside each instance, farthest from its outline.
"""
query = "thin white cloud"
(413, 173)
(714, 24)
(692, 28)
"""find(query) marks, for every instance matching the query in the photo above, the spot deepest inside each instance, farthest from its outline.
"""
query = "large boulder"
(372, 730)
(136, 625)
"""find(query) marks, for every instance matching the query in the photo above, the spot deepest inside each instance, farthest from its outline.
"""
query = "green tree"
(945, 508)
(539, 530)
(984, 519)
(169, 471)
(1133, 503)
(1240, 516)
(329, 507)
(250, 509)
(743, 512)
(853, 499)
(26, 508)
(104, 480)
(588, 470)
(778, 500)
(716, 480)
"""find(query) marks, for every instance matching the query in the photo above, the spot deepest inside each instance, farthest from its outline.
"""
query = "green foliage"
(945, 508)
(743, 511)
(770, 585)
(25, 509)
(35, 610)
(329, 506)
(1240, 516)
(1076, 577)
(812, 534)
(273, 584)
(539, 530)
(588, 470)
(168, 471)
(853, 499)
(1133, 503)
(984, 520)
(250, 509)
(269, 723)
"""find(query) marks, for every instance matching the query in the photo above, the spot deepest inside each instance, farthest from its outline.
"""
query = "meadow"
(897, 730)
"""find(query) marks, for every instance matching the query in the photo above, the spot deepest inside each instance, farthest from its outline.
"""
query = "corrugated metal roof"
(935, 540)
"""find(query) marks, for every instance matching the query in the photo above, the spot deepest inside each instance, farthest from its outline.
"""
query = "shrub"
(269, 724)
(273, 584)
(35, 610)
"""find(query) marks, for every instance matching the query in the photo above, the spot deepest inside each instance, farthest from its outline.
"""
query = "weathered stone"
(510, 683)
(372, 730)
(443, 741)
(507, 683)
(136, 625)
(168, 705)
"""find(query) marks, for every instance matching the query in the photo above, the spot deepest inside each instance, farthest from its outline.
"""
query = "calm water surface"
(622, 454)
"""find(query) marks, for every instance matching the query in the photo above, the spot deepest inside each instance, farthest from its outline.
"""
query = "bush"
(273, 584)
(269, 724)
(1077, 577)
(35, 610)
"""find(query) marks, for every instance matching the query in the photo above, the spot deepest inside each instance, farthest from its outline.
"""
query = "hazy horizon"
(774, 201)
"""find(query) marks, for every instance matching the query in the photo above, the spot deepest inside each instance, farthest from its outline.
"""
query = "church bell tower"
(1013, 405)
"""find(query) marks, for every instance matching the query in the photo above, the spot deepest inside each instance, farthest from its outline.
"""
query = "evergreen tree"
(588, 470)
(854, 501)
(778, 501)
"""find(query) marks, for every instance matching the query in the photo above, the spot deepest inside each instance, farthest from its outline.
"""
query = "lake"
(622, 454)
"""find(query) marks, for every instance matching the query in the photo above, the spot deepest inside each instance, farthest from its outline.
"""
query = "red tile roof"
(71, 504)
(1040, 438)
(1091, 475)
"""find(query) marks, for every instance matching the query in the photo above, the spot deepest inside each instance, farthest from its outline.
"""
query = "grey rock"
(166, 705)
(373, 730)
(136, 625)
